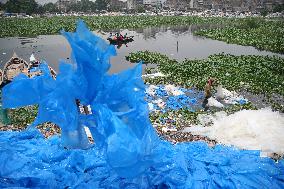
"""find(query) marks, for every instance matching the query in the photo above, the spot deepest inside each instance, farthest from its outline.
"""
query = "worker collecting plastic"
(207, 92)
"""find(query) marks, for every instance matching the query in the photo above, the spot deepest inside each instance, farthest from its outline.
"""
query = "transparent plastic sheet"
(127, 152)
(260, 129)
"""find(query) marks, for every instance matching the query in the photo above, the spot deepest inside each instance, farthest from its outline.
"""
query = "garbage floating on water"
(247, 129)
(127, 152)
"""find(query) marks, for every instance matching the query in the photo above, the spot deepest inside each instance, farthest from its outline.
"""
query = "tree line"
(32, 7)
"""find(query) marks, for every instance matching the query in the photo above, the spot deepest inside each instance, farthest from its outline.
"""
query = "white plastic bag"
(220, 93)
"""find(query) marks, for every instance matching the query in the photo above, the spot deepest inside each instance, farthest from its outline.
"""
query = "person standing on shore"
(207, 93)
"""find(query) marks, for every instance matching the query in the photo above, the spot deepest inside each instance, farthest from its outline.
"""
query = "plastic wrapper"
(127, 152)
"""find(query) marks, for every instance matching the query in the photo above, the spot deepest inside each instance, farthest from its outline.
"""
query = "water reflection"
(151, 32)
(177, 42)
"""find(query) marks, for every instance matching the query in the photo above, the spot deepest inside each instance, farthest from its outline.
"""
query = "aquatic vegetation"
(260, 33)
(23, 116)
(149, 57)
(257, 74)
(10, 27)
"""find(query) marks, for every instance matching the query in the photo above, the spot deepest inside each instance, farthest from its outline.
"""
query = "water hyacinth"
(11, 27)
(256, 74)
(260, 33)
(127, 152)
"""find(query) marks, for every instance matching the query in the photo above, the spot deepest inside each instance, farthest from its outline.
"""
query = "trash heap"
(168, 97)
(246, 129)
(127, 152)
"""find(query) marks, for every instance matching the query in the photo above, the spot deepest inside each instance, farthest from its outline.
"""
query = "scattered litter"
(165, 129)
(213, 102)
(151, 106)
(220, 94)
(151, 90)
(229, 97)
(158, 74)
(172, 90)
(175, 98)
(170, 97)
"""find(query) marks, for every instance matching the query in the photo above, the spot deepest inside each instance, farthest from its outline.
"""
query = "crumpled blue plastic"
(127, 152)
(242, 101)
(189, 100)
(28, 160)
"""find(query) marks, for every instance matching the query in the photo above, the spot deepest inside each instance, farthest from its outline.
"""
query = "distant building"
(208, 4)
(133, 4)
(117, 5)
(153, 3)
(224, 5)
(197, 4)
(178, 4)
(63, 4)
(269, 4)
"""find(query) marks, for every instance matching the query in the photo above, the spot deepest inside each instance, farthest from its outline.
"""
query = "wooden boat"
(16, 65)
(119, 41)
(1, 77)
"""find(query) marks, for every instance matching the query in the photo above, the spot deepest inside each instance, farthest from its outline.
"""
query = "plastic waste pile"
(127, 152)
(168, 97)
(247, 129)
(229, 97)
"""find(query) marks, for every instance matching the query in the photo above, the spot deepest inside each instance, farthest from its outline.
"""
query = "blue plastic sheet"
(191, 99)
(127, 152)
(28, 160)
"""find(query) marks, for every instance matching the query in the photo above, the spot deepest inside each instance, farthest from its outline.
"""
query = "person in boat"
(110, 35)
(116, 36)
(119, 45)
(207, 92)
(121, 37)
(125, 36)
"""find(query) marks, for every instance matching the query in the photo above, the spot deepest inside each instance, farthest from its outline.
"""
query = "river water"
(176, 42)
